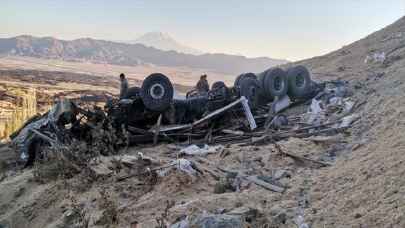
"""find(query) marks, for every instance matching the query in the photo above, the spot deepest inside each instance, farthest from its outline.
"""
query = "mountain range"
(108, 52)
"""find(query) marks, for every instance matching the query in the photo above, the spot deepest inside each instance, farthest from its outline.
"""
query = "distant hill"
(100, 51)
(165, 42)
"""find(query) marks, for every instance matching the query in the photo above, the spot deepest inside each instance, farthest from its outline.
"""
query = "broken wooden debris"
(157, 127)
(265, 184)
(212, 173)
(232, 132)
(327, 139)
(254, 179)
(295, 156)
(194, 150)
(323, 131)
(148, 170)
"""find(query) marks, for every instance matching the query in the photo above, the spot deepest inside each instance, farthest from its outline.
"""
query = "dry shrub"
(77, 214)
(110, 209)
(62, 162)
(163, 219)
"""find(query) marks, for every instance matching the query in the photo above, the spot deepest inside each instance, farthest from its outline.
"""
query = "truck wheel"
(219, 89)
(249, 88)
(260, 78)
(243, 76)
(299, 82)
(157, 92)
(263, 97)
(236, 82)
(133, 92)
(218, 85)
(275, 83)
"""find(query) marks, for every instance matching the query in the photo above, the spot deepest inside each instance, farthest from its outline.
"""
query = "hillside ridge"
(109, 52)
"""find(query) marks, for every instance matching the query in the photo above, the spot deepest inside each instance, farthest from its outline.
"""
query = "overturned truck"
(155, 112)
(156, 96)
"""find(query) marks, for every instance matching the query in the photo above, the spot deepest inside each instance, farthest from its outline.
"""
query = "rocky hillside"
(100, 51)
(18, 107)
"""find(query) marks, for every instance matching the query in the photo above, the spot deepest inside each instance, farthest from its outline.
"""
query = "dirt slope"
(366, 187)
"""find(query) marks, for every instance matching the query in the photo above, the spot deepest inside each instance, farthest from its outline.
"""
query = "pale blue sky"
(292, 29)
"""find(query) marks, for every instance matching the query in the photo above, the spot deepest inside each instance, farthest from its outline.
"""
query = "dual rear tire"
(276, 82)
(299, 82)
(273, 83)
(249, 88)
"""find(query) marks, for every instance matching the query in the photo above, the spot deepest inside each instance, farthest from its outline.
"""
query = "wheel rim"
(252, 91)
(278, 83)
(157, 91)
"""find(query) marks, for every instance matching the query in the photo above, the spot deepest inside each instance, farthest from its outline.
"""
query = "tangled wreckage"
(250, 111)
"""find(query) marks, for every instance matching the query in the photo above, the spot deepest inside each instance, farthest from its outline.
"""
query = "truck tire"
(249, 88)
(157, 92)
(218, 85)
(133, 92)
(263, 97)
(243, 76)
(260, 78)
(275, 83)
(218, 96)
(299, 82)
(235, 83)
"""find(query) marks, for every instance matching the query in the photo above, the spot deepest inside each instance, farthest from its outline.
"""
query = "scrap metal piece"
(281, 104)
(248, 113)
(61, 113)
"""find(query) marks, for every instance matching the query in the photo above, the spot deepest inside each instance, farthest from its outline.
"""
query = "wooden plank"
(326, 139)
(254, 180)
(157, 128)
(145, 172)
(264, 184)
(233, 132)
(327, 130)
(324, 164)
